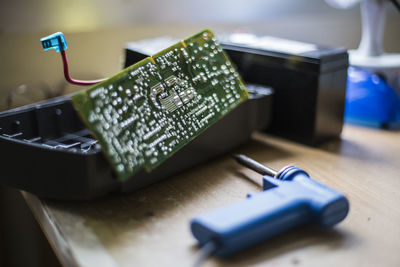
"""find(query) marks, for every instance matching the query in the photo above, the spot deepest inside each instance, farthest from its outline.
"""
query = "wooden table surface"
(150, 227)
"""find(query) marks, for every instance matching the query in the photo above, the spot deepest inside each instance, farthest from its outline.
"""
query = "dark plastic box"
(309, 83)
(47, 150)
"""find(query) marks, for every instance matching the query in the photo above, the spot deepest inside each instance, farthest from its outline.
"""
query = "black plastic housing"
(309, 84)
(47, 150)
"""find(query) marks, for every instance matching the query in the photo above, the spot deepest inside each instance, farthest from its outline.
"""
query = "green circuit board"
(150, 110)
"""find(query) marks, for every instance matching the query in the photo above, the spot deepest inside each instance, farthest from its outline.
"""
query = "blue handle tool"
(289, 199)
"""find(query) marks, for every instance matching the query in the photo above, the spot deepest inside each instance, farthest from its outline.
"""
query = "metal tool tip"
(254, 165)
(238, 156)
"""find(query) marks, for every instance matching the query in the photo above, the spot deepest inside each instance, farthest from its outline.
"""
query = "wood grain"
(150, 227)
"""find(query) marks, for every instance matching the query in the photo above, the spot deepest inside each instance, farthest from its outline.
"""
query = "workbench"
(150, 227)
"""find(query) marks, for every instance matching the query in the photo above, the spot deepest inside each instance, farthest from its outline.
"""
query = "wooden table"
(150, 227)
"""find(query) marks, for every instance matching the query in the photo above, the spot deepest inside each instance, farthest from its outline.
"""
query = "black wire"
(207, 250)
(396, 4)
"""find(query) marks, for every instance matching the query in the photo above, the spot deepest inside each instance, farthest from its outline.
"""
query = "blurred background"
(97, 30)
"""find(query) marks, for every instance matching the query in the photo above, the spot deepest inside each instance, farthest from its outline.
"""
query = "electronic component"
(309, 81)
(52, 133)
(57, 42)
(54, 41)
(290, 199)
(152, 109)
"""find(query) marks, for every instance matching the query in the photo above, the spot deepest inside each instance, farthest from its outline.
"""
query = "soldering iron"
(290, 198)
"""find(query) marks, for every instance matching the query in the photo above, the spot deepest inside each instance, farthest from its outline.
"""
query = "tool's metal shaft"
(254, 165)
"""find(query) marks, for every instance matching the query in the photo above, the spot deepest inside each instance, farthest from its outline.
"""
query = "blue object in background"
(370, 100)
(289, 199)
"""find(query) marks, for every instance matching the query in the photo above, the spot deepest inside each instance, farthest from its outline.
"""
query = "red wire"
(68, 77)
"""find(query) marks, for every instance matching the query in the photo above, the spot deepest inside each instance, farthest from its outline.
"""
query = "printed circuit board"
(150, 110)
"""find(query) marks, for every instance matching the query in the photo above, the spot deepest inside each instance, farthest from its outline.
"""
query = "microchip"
(150, 110)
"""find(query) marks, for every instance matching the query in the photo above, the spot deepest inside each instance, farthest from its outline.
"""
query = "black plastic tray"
(47, 150)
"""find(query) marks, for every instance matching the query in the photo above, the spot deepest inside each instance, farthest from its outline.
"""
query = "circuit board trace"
(150, 110)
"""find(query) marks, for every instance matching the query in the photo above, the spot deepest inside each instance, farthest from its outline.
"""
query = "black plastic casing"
(46, 149)
(309, 87)
(44, 169)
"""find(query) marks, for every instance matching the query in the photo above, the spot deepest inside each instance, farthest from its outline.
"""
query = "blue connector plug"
(54, 41)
